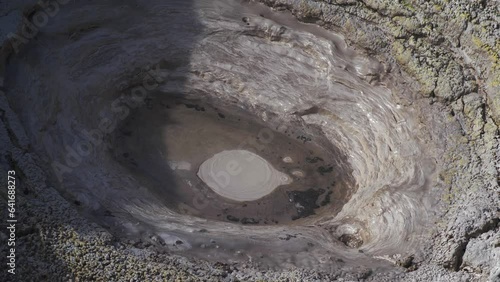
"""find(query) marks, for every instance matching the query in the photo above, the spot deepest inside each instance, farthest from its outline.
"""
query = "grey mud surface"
(404, 94)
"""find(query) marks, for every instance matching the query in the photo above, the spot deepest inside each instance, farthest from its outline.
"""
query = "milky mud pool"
(170, 143)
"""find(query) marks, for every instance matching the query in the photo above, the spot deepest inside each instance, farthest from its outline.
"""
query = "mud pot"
(227, 131)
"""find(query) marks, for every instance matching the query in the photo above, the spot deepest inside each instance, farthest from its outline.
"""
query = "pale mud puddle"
(167, 143)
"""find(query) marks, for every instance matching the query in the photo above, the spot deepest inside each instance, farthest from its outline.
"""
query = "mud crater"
(342, 126)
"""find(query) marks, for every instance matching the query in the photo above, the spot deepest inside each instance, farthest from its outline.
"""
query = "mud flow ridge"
(179, 90)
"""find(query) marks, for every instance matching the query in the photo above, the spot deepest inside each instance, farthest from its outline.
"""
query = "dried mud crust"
(450, 48)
